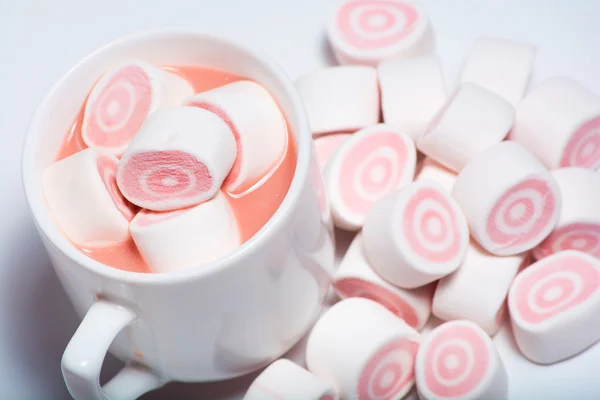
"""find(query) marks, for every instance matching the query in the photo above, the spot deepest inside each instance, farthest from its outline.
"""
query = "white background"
(40, 40)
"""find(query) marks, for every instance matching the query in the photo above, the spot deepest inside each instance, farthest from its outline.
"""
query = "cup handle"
(84, 355)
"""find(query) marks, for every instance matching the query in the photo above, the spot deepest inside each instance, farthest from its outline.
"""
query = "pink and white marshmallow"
(284, 380)
(356, 278)
(500, 65)
(416, 235)
(458, 360)
(473, 120)
(559, 122)
(578, 226)
(477, 291)
(430, 169)
(364, 350)
(509, 198)
(554, 306)
(326, 146)
(123, 98)
(176, 240)
(340, 99)
(367, 32)
(179, 158)
(259, 127)
(412, 92)
(82, 195)
(372, 163)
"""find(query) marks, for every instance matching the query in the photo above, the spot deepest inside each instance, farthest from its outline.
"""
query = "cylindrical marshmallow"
(284, 380)
(367, 32)
(430, 169)
(578, 226)
(555, 306)
(412, 92)
(364, 350)
(372, 163)
(123, 98)
(340, 99)
(509, 198)
(256, 121)
(326, 146)
(179, 158)
(472, 120)
(458, 360)
(82, 195)
(477, 291)
(559, 122)
(175, 240)
(500, 65)
(416, 235)
(355, 278)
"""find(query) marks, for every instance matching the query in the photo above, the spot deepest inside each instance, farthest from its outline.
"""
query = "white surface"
(40, 40)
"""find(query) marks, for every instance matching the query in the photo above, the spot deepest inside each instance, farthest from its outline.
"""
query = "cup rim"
(46, 225)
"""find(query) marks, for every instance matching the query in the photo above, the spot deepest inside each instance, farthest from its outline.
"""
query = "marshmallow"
(327, 145)
(473, 120)
(415, 235)
(364, 350)
(179, 158)
(432, 170)
(355, 278)
(257, 123)
(509, 198)
(172, 241)
(367, 32)
(559, 122)
(340, 99)
(412, 92)
(284, 380)
(477, 290)
(123, 98)
(501, 66)
(458, 360)
(82, 196)
(372, 163)
(555, 306)
(578, 226)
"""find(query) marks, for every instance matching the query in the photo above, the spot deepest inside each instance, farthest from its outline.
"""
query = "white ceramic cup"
(206, 323)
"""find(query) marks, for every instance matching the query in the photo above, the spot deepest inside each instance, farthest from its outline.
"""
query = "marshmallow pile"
(496, 220)
(159, 161)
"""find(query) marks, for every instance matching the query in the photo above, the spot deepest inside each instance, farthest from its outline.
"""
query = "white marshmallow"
(356, 344)
(559, 122)
(326, 146)
(578, 226)
(179, 158)
(509, 198)
(477, 291)
(372, 163)
(284, 380)
(257, 123)
(123, 98)
(430, 169)
(412, 92)
(458, 360)
(355, 278)
(82, 196)
(176, 240)
(367, 32)
(473, 120)
(555, 306)
(340, 99)
(500, 65)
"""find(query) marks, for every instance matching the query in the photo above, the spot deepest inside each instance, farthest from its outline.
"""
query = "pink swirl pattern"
(583, 149)
(580, 236)
(457, 359)
(389, 372)
(119, 109)
(375, 24)
(107, 167)
(554, 286)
